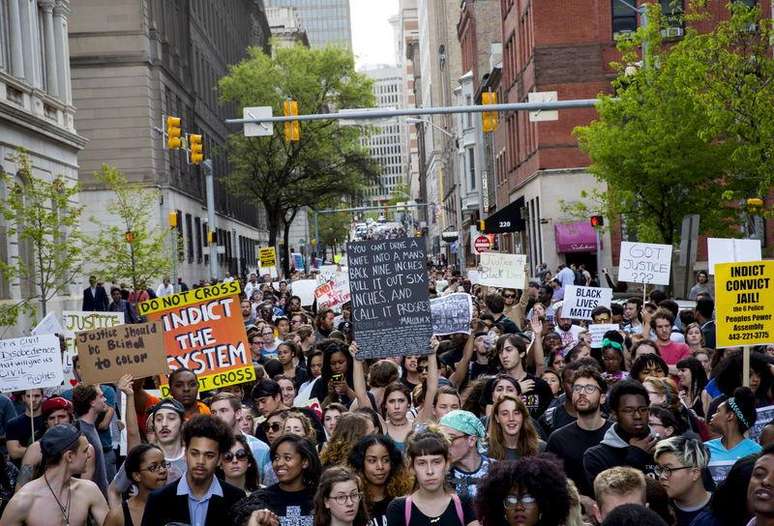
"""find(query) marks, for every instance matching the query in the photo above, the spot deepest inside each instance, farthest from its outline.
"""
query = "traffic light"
(195, 153)
(481, 225)
(597, 221)
(174, 132)
(292, 128)
(210, 237)
(172, 219)
(489, 117)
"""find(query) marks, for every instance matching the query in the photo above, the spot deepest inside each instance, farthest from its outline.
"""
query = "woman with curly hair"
(339, 499)
(297, 423)
(511, 434)
(379, 463)
(527, 492)
(350, 428)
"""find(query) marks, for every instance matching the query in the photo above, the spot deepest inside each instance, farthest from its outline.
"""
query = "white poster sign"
(645, 263)
(598, 330)
(304, 289)
(502, 270)
(580, 301)
(32, 362)
(721, 250)
(48, 325)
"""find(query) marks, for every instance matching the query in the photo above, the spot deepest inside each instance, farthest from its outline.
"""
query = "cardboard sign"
(580, 301)
(645, 263)
(334, 293)
(721, 250)
(765, 415)
(204, 331)
(502, 270)
(744, 299)
(598, 330)
(48, 325)
(32, 362)
(105, 355)
(267, 256)
(390, 303)
(75, 321)
(304, 289)
(452, 314)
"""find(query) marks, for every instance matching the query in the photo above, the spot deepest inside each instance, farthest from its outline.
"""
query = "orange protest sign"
(204, 332)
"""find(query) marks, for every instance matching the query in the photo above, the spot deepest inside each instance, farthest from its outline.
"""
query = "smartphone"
(337, 377)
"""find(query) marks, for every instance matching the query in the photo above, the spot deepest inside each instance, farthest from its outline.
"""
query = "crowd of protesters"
(526, 420)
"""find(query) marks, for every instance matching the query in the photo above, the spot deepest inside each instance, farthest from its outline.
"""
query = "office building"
(325, 21)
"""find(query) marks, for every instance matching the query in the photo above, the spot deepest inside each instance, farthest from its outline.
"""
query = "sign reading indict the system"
(31, 362)
(106, 355)
(204, 331)
(744, 299)
(580, 301)
(390, 302)
(451, 314)
(645, 263)
(502, 270)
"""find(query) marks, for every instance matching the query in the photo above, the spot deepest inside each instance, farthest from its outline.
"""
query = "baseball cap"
(55, 403)
(168, 403)
(58, 438)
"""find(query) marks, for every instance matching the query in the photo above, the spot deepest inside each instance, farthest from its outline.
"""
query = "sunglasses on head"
(241, 454)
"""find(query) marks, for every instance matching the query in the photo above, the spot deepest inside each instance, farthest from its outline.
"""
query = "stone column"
(14, 24)
(50, 47)
(61, 12)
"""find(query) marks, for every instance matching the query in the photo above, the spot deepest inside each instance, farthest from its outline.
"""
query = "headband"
(735, 408)
(613, 344)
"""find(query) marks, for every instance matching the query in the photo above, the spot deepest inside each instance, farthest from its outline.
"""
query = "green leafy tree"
(44, 217)
(327, 162)
(131, 250)
(334, 229)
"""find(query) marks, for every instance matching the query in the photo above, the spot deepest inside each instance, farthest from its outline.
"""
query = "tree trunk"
(285, 257)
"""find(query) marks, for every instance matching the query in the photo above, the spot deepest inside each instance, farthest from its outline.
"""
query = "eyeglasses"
(509, 295)
(665, 472)
(453, 438)
(153, 468)
(274, 426)
(511, 501)
(241, 454)
(422, 369)
(629, 411)
(586, 389)
(268, 333)
(342, 499)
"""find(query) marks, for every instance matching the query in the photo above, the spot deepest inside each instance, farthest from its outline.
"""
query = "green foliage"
(334, 228)
(44, 218)
(144, 259)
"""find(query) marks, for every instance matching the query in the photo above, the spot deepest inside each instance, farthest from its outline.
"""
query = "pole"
(643, 11)
(174, 241)
(210, 187)
(316, 238)
(32, 420)
(746, 366)
(599, 253)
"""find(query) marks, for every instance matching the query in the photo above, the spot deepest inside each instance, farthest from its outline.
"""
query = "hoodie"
(615, 451)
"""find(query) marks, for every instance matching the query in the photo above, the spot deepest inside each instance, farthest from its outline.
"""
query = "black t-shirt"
(396, 514)
(539, 397)
(570, 443)
(555, 417)
(19, 429)
(294, 507)
(378, 513)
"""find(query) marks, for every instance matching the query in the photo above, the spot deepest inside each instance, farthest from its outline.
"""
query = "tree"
(334, 229)
(329, 160)
(44, 217)
(650, 146)
(130, 250)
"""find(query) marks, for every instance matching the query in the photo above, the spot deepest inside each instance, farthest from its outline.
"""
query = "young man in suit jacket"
(94, 297)
(199, 498)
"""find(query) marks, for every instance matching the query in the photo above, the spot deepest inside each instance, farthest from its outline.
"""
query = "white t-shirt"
(570, 338)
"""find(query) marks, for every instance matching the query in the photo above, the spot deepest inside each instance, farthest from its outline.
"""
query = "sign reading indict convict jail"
(390, 304)
(744, 299)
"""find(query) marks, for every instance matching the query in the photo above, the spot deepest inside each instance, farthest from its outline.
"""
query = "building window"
(624, 18)
(180, 246)
(189, 237)
(198, 230)
(471, 166)
(672, 10)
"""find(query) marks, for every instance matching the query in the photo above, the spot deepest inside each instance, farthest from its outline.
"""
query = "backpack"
(457, 508)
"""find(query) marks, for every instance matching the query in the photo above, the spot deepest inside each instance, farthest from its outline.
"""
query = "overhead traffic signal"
(292, 128)
(172, 219)
(196, 150)
(597, 221)
(174, 132)
(489, 117)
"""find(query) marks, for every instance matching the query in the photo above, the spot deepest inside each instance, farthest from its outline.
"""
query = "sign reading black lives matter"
(390, 302)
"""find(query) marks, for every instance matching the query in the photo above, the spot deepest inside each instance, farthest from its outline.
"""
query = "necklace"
(64, 510)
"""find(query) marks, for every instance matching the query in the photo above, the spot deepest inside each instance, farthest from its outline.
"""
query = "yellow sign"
(267, 256)
(189, 297)
(745, 303)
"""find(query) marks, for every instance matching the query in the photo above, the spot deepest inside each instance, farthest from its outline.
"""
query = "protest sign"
(304, 289)
(204, 331)
(334, 293)
(598, 330)
(473, 276)
(744, 299)
(267, 256)
(451, 314)
(390, 303)
(502, 270)
(48, 325)
(580, 301)
(298, 260)
(32, 362)
(645, 263)
(765, 415)
(731, 250)
(105, 355)
(327, 273)
(76, 321)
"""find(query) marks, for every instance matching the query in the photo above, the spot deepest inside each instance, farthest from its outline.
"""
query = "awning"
(505, 220)
(575, 237)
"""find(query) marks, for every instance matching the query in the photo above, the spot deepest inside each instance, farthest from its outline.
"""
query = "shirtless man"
(58, 498)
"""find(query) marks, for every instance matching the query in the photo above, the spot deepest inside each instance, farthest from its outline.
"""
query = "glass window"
(471, 167)
(624, 17)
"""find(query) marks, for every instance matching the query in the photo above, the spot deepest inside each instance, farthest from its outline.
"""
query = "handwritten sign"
(721, 250)
(580, 301)
(502, 270)
(304, 289)
(334, 293)
(744, 299)
(32, 362)
(75, 321)
(204, 331)
(645, 263)
(390, 304)
(106, 355)
(48, 325)
(451, 314)
(598, 330)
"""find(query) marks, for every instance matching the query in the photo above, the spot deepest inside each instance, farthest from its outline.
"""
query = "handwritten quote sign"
(451, 314)
(106, 355)
(390, 304)
(645, 263)
(33, 362)
(204, 332)
(580, 301)
(502, 270)
(598, 330)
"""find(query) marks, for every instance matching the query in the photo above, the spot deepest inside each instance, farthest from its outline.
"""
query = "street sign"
(540, 115)
(482, 244)
(263, 129)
